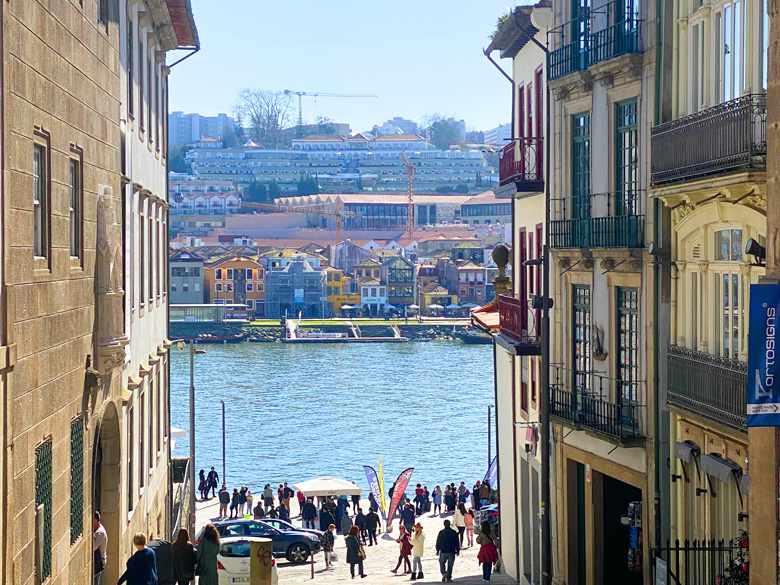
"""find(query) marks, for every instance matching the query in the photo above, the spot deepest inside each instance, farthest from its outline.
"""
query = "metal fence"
(697, 562)
(618, 222)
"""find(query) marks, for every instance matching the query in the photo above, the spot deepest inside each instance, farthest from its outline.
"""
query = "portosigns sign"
(763, 387)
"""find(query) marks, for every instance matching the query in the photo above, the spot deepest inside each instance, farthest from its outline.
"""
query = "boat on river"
(294, 334)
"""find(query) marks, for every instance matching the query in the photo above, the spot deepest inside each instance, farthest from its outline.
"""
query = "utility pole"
(224, 473)
(192, 437)
(490, 441)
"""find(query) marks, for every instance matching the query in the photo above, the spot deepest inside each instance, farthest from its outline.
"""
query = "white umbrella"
(414, 306)
(177, 432)
(328, 486)
(347, 307)
(435, 306)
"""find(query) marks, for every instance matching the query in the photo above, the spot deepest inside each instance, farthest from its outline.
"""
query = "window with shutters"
(76, 479)
(43, 456)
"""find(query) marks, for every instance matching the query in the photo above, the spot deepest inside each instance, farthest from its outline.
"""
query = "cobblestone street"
(380, 559)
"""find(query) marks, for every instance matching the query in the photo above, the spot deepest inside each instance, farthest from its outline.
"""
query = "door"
(628, 355)
(580, 344)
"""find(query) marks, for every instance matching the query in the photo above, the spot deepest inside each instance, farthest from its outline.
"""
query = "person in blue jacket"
(142, 566)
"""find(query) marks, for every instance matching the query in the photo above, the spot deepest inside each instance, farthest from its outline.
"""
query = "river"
(295, 412)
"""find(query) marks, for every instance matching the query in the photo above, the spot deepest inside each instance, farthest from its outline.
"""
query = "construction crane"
(410, 193)
(338, 214)
(316, 94)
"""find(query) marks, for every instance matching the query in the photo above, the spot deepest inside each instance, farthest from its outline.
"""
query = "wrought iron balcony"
(725, 138)
(520, 162)
(698, 562)
(571, 54)
(618, 37)
(596, 403)
(518, 324)
(707, 385)
(618, 223)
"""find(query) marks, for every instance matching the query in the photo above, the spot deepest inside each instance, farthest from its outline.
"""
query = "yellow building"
(337, 290)
(235, 280)
(435, 294)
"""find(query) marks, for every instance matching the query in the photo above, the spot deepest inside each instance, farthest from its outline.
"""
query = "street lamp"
(181, 345)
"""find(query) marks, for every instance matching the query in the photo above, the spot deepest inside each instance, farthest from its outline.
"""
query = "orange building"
(235, 280)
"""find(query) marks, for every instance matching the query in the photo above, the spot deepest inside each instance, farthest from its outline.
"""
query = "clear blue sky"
(418, 56)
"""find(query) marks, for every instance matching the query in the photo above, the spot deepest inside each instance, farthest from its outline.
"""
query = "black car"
(285, 526)
(294, 545)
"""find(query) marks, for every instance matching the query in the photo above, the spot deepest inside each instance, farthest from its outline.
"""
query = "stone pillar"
(764, 440)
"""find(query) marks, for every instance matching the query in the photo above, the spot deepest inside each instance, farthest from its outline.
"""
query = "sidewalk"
(380, 559)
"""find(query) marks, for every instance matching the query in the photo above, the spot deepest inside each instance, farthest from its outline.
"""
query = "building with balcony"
(373, 297)
(295, 289)
(709, 170)
(235, 280)
(607, 315)
(186, 279)
(398, 274)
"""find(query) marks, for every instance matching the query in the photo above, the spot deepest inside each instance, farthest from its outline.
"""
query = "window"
(185, 286)
(249, 274)
(250, 287)
(628, 344)
(130, 455)
(530, 104)
(75, 208)
(77, 479)
(130, 64)
(40, 201)
(229, 287)
(729, 292)
(580, 166)
(520, 112)
(230, 274)
(219, 274)
(142, 422)
(103, 11)
(250, 303)
(196, 288)
(173, 287)
(140, 81)
(218, 287)
(142, 255)
(581, 338)
(729, 48)
(150, 91)
(152, 256)
(157, 112)
(626, 158)
(43, 476)
(728, 245)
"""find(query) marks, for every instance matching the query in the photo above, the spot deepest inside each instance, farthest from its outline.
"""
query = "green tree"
(256, 192)
(462, 188)
(265, 113)
(308, 185)
(274, 190)
(475, 137)
(444, 189)
(176, 161)
(442, 131)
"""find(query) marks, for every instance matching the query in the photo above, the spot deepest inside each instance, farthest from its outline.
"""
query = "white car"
(233, 561)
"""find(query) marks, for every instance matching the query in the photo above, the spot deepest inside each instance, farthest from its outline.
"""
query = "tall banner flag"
(400, 488)
(382, 487)
(491, 477)
(373, 483)
(763, 387)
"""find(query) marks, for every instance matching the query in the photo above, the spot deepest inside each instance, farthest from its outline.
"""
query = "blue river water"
(296, 412)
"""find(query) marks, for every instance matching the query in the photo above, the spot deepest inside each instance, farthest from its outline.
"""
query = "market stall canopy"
(453, 306)
(414, 306)
(347, 307)
(177, 432)
(328, 486)
(435, 306)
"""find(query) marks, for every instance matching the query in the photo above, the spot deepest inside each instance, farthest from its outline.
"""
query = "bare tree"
(263, 114)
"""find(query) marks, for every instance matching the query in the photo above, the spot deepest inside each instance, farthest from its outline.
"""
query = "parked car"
(489, 513)
(284, 526)
(294, 545)
(233, 561)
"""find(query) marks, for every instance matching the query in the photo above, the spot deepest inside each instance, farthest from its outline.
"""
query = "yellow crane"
(316, 94)
(338, 214)
(410, 193)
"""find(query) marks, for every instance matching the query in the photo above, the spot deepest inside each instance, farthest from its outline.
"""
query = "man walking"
(99, 543)
(360, 522)
(407, 518)
(213, 482)
(372, 523)
(447, 547)
(346, 523)
(309, 513)
(224, 500)
(288, 493)
(475, 494)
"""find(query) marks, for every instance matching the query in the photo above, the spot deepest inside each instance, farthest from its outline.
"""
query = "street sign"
(299, 295)
(763, 385)
(323, 299)
(661, 572)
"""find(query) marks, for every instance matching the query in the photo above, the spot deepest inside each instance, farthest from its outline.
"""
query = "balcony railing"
(571, 54)
(618, 224)
(697, 562)
(620, 36)
(518, 322)
(597, 403)
(520, 162)
(708, 385)
(728, 137)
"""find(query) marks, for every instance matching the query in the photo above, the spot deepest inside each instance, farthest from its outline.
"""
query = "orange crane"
(410, 192)
(316, 94)
(338, 214)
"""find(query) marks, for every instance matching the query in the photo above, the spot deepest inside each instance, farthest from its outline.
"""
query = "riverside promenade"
(380, 559)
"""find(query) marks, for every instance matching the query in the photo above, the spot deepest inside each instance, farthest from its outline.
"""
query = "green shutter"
(76, 479)
(43, 498)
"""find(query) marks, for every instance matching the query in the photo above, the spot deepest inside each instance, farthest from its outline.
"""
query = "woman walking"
(328, 539)
(183, 558)
(469, 520)
(142, 566)
(418, 542)
(355, 552)
(203, 486)
(406, 549)
(268, 497)
(459, 521)
(234, 503)
(488, 553)
(436, 500)
(206, 556)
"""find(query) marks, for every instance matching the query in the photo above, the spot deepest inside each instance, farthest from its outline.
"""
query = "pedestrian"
(360, 522)
(484, 494)
(475, 495)
(408, 517)
(326, 518)
(405, 551)
(203, 486)
(309, 513)
(372, 503)
(287, 493)
(418, 542)
(437, 500)
(224, 500)
(447, 548)
(338, 512)
(183, 558)
(234, 503)
(241, 501)
(206, 556)
(355, 502)
(419, 499)
(459, 521)
(356, 554)
(328, 539)
(249, 500)
(346, 523)
(301, 502)
(259, 511)
(99, 545)
(462, 493)
(280, 493)
(372, 523)
(272, 513)
(284, 512)
(488, 553)
(344, 500)
(469, 520)
(426, 499)
(142, 566)
(449, 500)
(268, 497)
(213, 479)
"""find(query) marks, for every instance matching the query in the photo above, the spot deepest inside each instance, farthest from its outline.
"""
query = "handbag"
(333, 556)
(362, 552)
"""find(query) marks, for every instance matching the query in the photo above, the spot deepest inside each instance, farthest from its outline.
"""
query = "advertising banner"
(382, 487)
(763, 387)
(400, 488)
(373, 484)
(491, 477)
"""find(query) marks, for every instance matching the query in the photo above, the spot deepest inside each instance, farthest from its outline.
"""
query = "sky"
(418, 56)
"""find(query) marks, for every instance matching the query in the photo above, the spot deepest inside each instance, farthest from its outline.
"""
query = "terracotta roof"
(322, 138)
(396, 137)
(486, 317)
(183, 23)
(486, 197)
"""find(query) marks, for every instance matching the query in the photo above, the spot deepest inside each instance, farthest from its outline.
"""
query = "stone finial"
(502, 285)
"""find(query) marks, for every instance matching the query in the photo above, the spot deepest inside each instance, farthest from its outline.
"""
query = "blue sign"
(491, 477)
(373, 483)
(763, 387)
